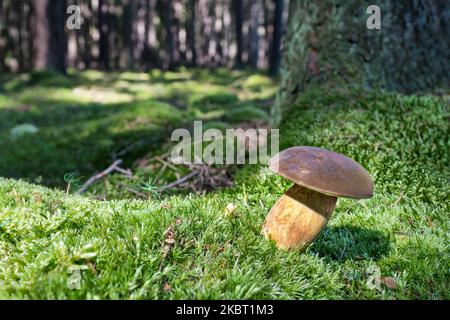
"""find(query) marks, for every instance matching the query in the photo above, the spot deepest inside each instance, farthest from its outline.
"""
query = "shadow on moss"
(342, 243)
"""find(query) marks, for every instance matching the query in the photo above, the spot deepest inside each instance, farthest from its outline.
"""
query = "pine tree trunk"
(328, 41)
(275, 53)
(3, 36)
(103, 28)
(85, 35)
(237, 8)
(51, 43)
(255, 17)
(127, 35)
(191, 31)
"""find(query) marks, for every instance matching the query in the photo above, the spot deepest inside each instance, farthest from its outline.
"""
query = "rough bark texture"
(328, 40)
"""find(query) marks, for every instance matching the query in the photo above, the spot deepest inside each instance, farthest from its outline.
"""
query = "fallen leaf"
(166, 206)
(167, 287)
(389, 282)
(230, 209)
(170, 241)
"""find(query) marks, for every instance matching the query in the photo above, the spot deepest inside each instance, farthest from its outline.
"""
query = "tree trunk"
(275, 53)
(191, 31)
(51, 43)
(127, 35)
(237, 9)
(3, 36)
(329, 41)
(255, 22)
(103, 28)
(165, 9)
(85, 36)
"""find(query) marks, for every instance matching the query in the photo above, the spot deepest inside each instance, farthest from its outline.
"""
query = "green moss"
(219, 125)
(81, 126)
(402, 232)
(49, 79)
(246, 113)
(212, 101)
(7, 102)
(257, 82)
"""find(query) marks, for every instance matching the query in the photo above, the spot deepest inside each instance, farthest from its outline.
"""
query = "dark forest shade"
(328, 41)
(50, 38)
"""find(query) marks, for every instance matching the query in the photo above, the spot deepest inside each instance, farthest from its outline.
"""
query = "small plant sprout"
(151, 188)
(320, 176)
(71, 180)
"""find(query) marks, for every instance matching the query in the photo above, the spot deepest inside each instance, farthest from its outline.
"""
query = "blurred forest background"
(141, 34)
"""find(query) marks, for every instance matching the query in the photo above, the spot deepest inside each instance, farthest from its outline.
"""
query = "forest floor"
(125, 239)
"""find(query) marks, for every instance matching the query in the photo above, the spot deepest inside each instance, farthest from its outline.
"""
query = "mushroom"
(320, 176)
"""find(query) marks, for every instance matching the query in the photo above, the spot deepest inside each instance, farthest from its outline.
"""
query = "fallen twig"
(126, 172)
(99, 176)
(179, 181)
(162, 161)
(398, 199)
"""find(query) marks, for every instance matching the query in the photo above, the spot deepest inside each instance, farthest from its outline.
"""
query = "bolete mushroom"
(320, 176)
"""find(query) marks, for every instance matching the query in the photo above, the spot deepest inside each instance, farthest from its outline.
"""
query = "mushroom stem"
(298, 217)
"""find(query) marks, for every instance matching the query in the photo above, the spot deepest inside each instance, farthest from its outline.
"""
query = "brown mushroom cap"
(323, 171)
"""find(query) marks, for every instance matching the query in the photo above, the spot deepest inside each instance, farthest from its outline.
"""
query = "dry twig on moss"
(100, 175)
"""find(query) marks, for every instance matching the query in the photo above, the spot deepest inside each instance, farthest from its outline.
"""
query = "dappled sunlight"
(100, 95)
(84, 118)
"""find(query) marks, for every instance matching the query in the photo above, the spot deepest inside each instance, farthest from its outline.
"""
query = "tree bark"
(253, 48)
(237, 8)
(275, 52)
(103, 28)
(51, 42)
(127, 35)
(191, 31)
(328, 41)
(165, 10)
(3, 36)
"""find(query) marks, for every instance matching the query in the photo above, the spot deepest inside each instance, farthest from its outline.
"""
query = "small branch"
(179, 181)
(162, 161)
(398, 199)
(99, 176)
(126, 172)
